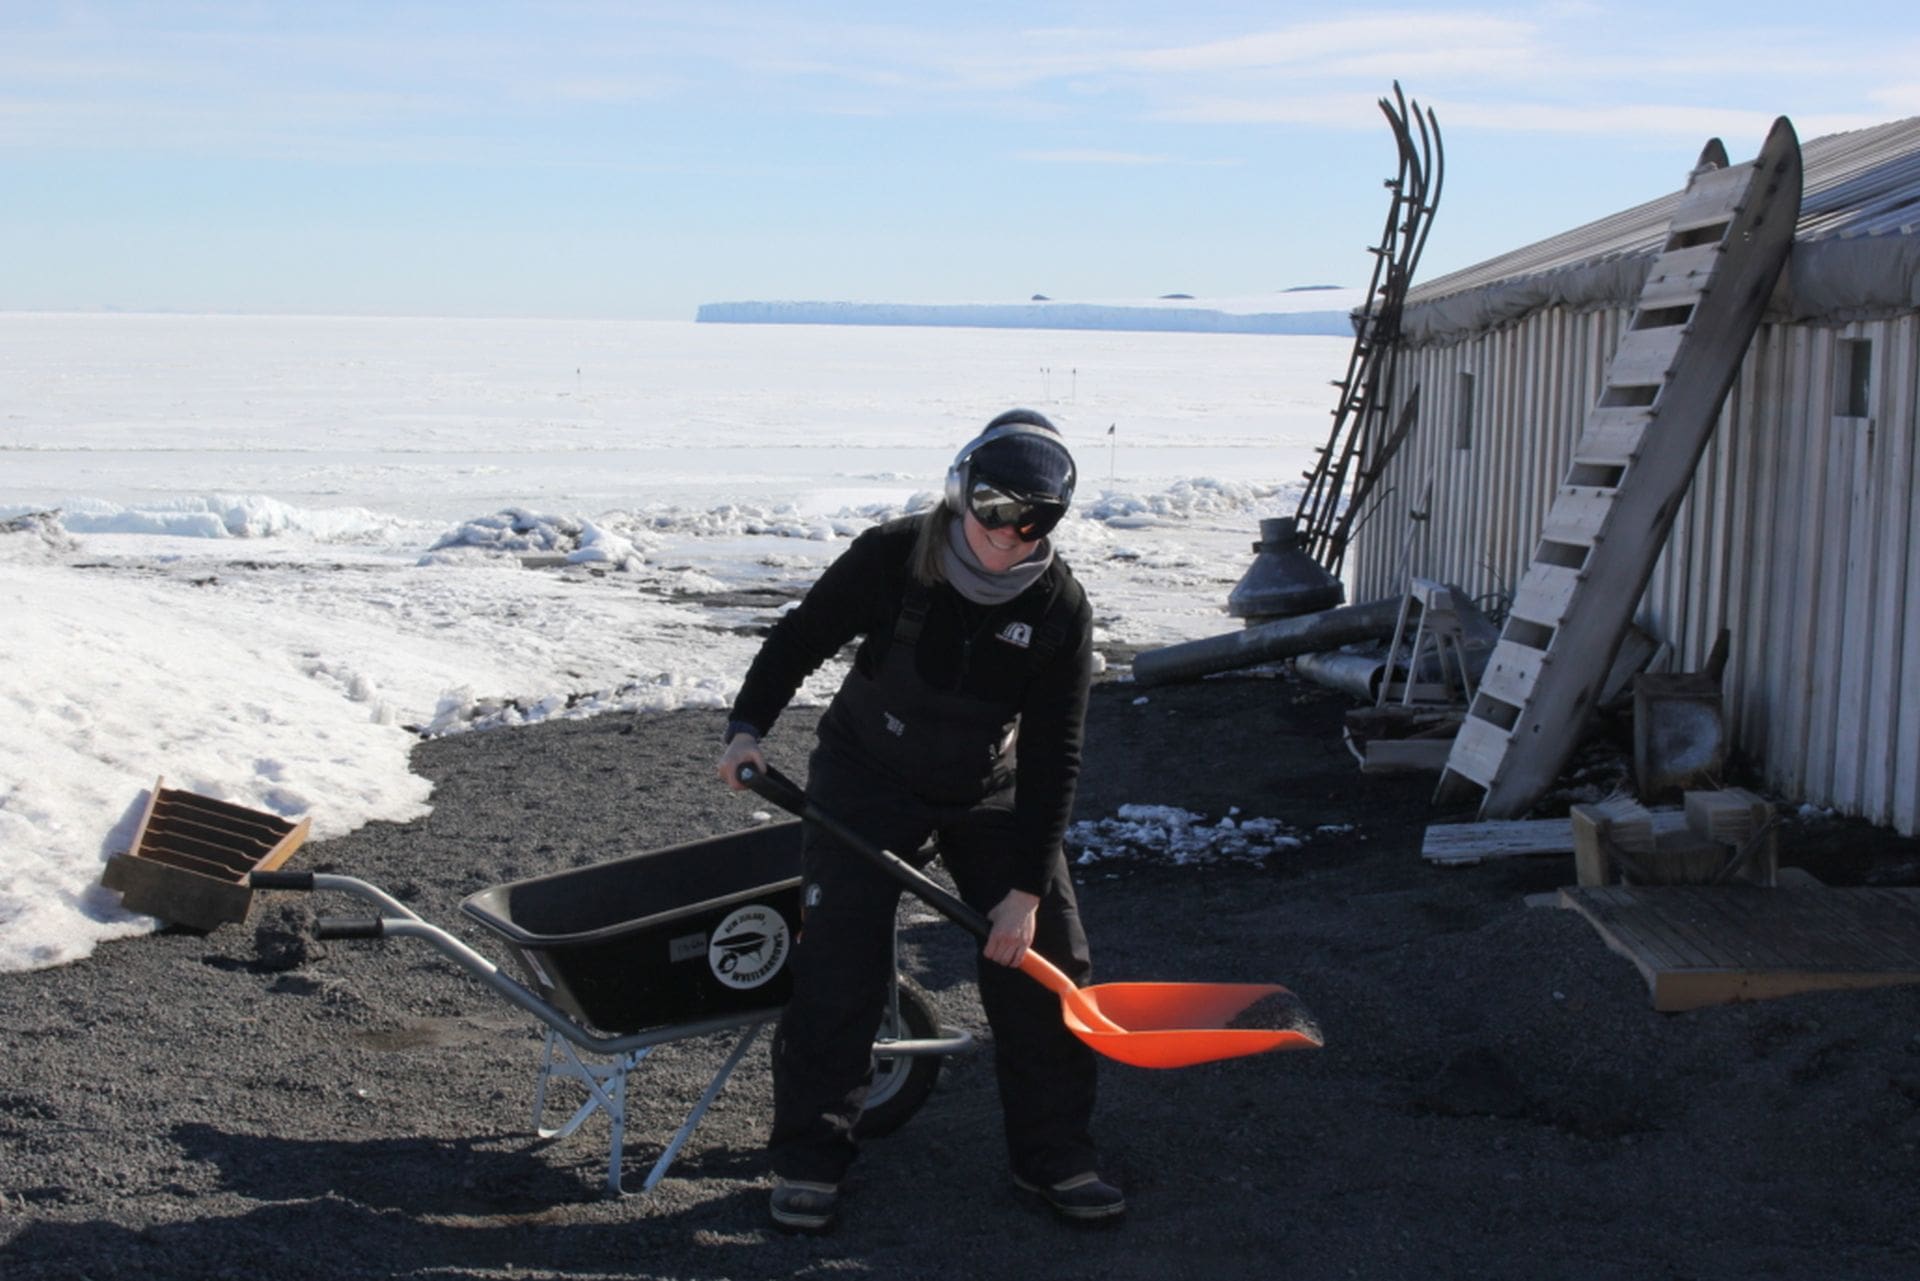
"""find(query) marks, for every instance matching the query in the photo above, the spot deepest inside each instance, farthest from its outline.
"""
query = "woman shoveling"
(961, 719)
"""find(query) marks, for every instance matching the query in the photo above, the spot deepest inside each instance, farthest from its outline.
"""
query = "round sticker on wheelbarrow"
(749, 947)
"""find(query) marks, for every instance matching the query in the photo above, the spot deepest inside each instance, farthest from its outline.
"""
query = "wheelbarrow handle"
(787, 794)
(349, 927)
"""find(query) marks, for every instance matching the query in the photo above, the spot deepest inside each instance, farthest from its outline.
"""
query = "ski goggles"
(1031, 518)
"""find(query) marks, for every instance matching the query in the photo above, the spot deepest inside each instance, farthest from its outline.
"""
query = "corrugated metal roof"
(1865, 182)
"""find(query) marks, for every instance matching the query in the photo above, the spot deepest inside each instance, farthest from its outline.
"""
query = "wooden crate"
(191, 856)
(1719, 835)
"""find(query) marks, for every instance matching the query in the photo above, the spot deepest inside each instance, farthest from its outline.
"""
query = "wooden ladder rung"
(1511, 673)
(1612, 437)
(1478, 749)
(1545, 593)
(1568, 534)
(1713, 214)
(1578, 515)
(1645, 356)
(1712, 197)
(1688, 268)
(1669, 292)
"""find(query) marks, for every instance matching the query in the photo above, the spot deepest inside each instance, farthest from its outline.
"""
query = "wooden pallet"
(1464, 844)
(1631, 467)
(1701, 945)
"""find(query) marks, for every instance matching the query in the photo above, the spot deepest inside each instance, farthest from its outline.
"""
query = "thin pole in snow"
(1113, 450)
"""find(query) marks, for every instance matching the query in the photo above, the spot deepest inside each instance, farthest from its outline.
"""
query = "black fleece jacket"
(862, 593)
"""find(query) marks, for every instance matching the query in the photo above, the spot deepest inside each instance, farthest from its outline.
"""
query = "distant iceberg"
(1304, 311)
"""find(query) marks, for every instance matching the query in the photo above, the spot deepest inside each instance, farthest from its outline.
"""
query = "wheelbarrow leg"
(592, 1076)
(693, 1118)
(606, 1086)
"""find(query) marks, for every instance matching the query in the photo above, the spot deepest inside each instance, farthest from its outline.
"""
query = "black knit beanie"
(1030, 465)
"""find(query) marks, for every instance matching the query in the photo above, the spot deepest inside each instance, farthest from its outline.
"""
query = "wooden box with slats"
(191, 856)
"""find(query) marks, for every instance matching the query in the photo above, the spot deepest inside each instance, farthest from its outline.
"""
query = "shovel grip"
(776, 787)
(785, 793)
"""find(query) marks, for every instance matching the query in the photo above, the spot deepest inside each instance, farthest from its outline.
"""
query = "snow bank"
(225, 516)
(519, 532)
(113, 684)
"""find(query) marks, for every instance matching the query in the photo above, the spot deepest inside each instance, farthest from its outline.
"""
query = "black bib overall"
(899, 761)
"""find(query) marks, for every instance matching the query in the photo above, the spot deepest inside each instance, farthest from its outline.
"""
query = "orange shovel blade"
(1168, 1025)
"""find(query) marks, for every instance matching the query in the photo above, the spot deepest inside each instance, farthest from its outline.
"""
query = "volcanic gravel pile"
(1495, 1098)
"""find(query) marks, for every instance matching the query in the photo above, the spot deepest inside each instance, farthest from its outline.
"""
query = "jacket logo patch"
(1020, 634)
(895, 726)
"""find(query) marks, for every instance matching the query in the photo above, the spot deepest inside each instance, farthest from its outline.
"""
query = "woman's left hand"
(1012, 920)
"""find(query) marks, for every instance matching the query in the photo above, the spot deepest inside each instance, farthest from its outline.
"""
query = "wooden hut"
(1800, 534)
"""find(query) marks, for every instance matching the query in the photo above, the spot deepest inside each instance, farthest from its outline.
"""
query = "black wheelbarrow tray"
(618, 958)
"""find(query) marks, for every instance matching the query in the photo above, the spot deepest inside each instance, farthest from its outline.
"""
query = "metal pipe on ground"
(1355, 674)
(1267, 642)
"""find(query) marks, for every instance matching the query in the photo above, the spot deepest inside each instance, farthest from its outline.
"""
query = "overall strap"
(1052, 632)
(1049, 636)
(914, 603)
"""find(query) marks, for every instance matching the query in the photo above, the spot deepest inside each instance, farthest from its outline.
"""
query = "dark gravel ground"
(1496, 1097)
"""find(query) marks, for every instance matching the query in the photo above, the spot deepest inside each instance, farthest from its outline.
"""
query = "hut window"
(1463, 413)
(1853, 383)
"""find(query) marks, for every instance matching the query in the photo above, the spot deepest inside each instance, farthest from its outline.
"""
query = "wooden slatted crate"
(191, 856)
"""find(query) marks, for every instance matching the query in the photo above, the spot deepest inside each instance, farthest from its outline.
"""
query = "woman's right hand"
(742, 749)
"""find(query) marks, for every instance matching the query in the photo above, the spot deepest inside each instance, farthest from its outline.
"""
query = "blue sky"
(635, 160)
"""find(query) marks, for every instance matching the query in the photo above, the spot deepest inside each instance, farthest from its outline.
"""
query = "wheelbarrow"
(619, 958)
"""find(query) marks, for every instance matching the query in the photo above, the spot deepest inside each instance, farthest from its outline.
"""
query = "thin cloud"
(1384, 35)
(1094, 156)
(1565, 71)
(987, 61)
(1649, 120)
(156, 81)
(1345, 109)
(610, 90)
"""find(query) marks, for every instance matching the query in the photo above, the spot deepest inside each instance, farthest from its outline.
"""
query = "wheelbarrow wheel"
(901, 1084)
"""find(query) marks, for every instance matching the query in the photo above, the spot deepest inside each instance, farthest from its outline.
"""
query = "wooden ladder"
(1696, 316)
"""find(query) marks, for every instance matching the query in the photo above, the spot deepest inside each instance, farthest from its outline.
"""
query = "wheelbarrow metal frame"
(575, 1046)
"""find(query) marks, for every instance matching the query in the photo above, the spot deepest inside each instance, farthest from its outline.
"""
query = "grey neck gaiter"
(979, 584)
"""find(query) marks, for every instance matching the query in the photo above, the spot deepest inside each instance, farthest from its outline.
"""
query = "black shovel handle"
(785, 793)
